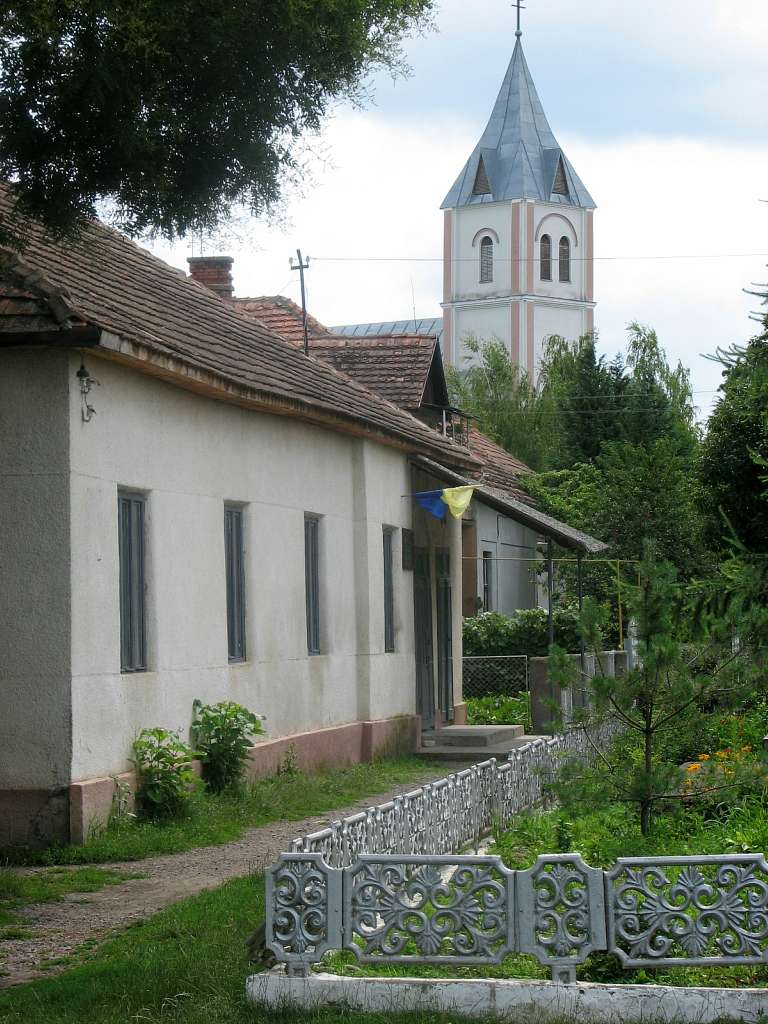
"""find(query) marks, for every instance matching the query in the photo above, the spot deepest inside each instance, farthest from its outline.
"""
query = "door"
(422, 610)
(444, 633)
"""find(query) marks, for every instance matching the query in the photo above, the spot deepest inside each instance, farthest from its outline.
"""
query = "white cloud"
(657, 197)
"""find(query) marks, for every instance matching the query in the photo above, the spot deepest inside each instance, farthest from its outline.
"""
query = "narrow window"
(546, 258)
(565, 259)
(486, 260)
(133, 643)
(487, 569)
(235, 572)
(389, 592)
(312, 581)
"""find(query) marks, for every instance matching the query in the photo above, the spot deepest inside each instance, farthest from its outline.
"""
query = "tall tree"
(586, 396)
(174, 112)
(503, 400)
(734, 456)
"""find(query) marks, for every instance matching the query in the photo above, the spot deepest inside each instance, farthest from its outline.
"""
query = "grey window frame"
(565, 260)
(131, 543)
(487, 581)
(234, 570)
(545, 270)
(388, 540)
(312, 582)
(486, 260)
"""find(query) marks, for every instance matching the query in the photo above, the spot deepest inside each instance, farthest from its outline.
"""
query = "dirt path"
(59, 929)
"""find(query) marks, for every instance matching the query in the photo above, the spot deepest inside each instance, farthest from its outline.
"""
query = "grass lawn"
(220, 819)
(187, 965)
(20, 890)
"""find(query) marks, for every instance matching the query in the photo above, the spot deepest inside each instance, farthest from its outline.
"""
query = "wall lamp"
(86, 382)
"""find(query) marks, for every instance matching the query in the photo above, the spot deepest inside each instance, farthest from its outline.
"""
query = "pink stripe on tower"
(590, 255)
(590, 321)
(529, 246)
(448, 256)
(531, 355)
(515, 353)
(448, 337)
(516, 254)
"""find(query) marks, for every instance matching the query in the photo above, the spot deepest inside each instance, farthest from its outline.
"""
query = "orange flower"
(746, 750)
(693, 768)
(705, 757)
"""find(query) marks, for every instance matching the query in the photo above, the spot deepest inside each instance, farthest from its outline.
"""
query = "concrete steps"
(469, 744)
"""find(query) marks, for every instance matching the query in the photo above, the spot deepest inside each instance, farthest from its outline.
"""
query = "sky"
(661, 107)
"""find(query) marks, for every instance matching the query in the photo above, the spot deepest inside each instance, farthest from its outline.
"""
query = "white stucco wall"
(471, 223)
(512, 582)
(190, 455)
(35, 734)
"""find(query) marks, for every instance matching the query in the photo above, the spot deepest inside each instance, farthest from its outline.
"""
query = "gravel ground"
(60, 929)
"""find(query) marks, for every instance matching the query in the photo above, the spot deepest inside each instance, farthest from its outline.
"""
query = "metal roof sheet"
(430, 327)
(518, 149)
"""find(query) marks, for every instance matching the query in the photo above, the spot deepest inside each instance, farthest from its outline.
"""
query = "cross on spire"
(519, 5)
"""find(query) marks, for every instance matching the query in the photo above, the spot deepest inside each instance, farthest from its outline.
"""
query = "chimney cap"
(210, 261)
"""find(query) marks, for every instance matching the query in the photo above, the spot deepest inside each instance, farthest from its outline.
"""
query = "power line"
(535, 259)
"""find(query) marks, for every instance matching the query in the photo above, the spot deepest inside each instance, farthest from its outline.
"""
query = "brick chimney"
(215, 272)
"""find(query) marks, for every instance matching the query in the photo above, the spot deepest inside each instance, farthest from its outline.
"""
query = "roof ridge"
(58, 299)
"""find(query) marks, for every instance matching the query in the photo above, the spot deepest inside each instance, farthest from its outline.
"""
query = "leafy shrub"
(499, 710)
(525, 632)
(222, 734)
(289, 764)
(165, 775)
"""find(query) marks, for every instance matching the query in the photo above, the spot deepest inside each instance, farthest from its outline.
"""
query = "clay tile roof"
(501, 471)
(396, 368)
(157, 320)
(282, 316)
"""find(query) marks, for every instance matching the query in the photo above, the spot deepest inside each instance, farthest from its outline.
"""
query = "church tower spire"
(518, 232)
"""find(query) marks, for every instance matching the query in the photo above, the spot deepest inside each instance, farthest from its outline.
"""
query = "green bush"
(222, 734)
(499, 710)
(526, 632)
(166, 779)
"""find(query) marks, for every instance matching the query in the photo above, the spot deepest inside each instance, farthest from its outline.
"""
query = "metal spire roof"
(518, 157)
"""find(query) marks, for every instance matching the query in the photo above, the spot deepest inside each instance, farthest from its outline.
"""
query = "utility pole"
(301, 266)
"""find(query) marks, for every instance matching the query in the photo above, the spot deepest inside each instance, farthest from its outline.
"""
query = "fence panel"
(504, 676)
(456, 910)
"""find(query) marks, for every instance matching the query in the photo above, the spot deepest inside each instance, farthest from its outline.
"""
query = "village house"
(192, 508)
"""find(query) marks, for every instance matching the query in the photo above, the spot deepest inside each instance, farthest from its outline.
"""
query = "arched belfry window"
(565, 259)
(486, 260)
(546, 258)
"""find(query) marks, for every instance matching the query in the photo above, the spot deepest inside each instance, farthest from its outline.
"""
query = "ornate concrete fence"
(449, 910)
(449, 815)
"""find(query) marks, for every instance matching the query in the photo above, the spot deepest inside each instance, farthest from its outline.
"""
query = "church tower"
(519, 242)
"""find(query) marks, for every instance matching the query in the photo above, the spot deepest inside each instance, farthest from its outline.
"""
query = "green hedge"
(491, 634)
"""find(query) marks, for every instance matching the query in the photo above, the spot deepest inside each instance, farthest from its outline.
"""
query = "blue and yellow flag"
(439, 503)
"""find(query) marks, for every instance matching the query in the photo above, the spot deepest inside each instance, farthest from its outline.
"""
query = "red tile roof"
(157, 320)
(395, 367)
(283, 316)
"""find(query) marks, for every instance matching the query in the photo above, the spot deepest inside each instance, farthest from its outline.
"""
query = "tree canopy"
(734, 457)
(174, 112)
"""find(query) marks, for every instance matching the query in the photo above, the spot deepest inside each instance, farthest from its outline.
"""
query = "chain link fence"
(504, 676)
